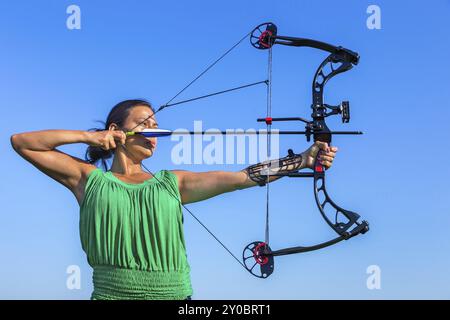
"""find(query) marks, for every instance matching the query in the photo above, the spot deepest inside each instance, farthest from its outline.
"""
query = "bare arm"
(39, 148)
(201, 186)
(198, 186)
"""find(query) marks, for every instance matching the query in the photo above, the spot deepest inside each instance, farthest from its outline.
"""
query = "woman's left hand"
(327, 154)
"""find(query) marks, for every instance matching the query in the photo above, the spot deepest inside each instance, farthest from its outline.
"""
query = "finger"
(326, 158)
(322, 145)
(104, 144)
(112, 142)
(326, 164)
(122, 135)
(329, 154)
(119, 136)
(122, 138)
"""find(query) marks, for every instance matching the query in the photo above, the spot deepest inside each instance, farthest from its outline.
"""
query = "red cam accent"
(259, 257)
(269, 121)
(264, 36)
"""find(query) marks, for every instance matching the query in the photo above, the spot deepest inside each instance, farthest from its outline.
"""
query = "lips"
(150, 144)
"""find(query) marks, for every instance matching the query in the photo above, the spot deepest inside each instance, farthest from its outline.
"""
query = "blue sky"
(395, 175)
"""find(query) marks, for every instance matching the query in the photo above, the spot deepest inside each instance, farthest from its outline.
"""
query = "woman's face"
(140, 118)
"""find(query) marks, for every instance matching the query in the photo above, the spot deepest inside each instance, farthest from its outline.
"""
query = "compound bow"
(258, 257)
(346, 223)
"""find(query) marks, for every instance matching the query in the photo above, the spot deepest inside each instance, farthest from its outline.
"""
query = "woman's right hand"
(108, 139)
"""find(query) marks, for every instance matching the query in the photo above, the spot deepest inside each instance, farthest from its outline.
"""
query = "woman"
(130, 220)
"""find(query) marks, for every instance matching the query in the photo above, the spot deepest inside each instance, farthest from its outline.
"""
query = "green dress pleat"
(133, 237)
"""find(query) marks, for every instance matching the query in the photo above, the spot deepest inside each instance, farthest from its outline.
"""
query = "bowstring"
(269, 138)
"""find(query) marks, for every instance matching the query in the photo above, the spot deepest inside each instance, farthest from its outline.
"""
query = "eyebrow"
(143, 119)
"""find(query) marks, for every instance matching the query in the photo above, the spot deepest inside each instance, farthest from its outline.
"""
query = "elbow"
(13, 140)
(16, 141)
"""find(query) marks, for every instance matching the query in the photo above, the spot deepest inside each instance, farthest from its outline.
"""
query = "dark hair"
(117, 115)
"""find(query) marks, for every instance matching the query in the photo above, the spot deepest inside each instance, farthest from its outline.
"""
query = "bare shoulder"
(181, 174)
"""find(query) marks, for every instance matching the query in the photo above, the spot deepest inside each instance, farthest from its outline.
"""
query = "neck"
(124, 165)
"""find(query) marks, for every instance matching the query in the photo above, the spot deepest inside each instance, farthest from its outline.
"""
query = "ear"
(113, 126)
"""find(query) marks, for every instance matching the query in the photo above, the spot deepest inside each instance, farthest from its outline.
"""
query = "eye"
(144, 124)
(148, 124)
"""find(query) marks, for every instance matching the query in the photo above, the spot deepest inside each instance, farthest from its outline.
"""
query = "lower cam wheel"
(258, 260)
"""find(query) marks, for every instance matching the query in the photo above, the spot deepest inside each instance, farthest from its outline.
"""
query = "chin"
(148, 153)
(143, 153)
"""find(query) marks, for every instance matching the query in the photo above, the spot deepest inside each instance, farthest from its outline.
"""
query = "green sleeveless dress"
(133, 237)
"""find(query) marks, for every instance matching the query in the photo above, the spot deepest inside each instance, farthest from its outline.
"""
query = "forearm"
(200, 186)
(269, 171)
(46, 140)
(248, 182)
